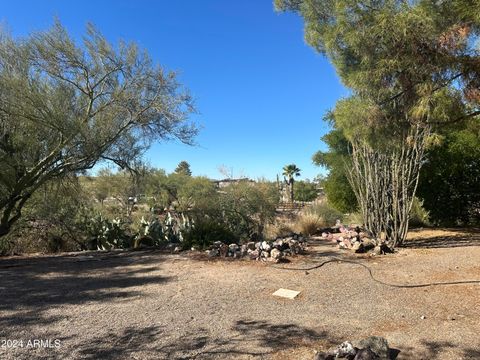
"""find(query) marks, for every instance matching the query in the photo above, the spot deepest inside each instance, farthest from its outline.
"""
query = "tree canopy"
(64, 107)
(183, 167)
(411, 66)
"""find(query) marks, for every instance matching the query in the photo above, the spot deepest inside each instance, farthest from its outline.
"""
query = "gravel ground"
(151, 305)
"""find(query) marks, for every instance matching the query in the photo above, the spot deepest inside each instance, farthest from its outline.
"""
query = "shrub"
(308, 224)
(204, 233)
(326, 214)
(279, 229)
(419, 217)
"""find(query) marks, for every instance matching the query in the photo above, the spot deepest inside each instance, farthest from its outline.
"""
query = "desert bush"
(316, 216)
(326, 214)
(279, 228)
(308, 224)
(419, 217)
(354, 218)
(204, 233)
(244, 208)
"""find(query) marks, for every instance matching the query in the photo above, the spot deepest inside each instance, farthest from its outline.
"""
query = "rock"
(258, 245)
(177, 249)
(365, 354)
(266, 246)
(251, 245)
(194, 248)
(244, 249)
(253, 254)
(265, 254)
(358, 247)
(233, 247)
(378, 345)
(323, 356)
(368, 244)
(170, 246)
(324, 235)
(217, 244)
(377, 250)
(213, 252)
(346, 350)
(347, 243)
(223, 250)
(382, 249)
(276, 254)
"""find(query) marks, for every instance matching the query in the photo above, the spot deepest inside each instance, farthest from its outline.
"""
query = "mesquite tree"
(64, 107)
(411, 66)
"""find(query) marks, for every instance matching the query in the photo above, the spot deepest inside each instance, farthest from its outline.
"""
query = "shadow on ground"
(434, 349)
(29, 287)
(462, 237)
(253, 339)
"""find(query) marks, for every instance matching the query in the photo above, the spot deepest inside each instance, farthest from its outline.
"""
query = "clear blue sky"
(260, 90)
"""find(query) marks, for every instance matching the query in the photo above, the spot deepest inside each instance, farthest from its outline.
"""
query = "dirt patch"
(152, 305)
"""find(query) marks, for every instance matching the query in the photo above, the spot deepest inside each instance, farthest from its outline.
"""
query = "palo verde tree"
(289, 173)
(64, 107)
(411, 66)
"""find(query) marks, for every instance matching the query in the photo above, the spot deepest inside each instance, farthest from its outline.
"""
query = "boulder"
(223, 250)
(266, 246)
(233, 247)
(276, 254)
(358, 247)
(366, 354)
(346, 350)
(254, 254)
(324, 356)
(213, 252)
(369, 244)
(251, 245)
(244, 250)
(378, 345)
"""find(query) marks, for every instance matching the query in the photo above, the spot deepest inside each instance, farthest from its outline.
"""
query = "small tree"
(64, 107)
(183, 167)
(289, 173)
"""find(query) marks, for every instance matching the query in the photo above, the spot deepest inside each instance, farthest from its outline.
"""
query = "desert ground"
(153, 305)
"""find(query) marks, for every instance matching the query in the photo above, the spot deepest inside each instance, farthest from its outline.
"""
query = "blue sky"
(261, 92)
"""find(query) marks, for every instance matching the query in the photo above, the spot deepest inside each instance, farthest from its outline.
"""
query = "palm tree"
(289, 173)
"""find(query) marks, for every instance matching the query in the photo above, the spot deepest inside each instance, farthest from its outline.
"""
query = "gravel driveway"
(152, 305)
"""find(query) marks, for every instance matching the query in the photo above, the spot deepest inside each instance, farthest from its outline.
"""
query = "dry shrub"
(279, 229)
(315, 217)
(308, 224)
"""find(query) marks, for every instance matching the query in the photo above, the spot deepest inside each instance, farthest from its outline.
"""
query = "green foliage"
(183, 167)
(244, 208)
(106, 234)
(419, 217)
(411, 67)
(206, 232)
(66, 107)
(450, 179)
(169, 229)
(305, 191)
(290, 172)
(325, 214)
(336, 185)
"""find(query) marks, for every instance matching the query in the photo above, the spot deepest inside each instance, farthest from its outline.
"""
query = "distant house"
(220, 184)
